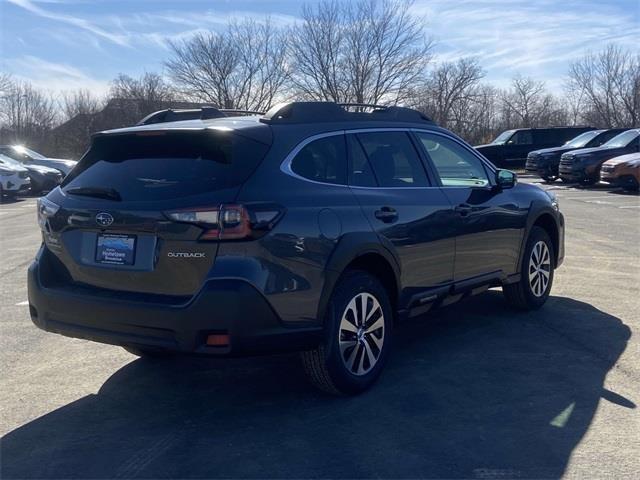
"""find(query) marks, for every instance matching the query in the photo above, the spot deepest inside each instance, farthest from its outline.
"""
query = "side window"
(456, 166)
(393, 158)
(606, 136)
(323, 160)
(522, 137)
(360, 171)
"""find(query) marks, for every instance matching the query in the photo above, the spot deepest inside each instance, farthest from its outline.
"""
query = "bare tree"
(610, 84)
(474, 116)
(243, 67)
(5, 83)
(527, 103)
(80, 102)
(26, 113)
(149, 90)
(136, 97)
(371, 51)
(450, 89)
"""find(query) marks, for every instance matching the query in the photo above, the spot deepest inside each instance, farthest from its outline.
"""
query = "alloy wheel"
(361, 333)
(539, 268)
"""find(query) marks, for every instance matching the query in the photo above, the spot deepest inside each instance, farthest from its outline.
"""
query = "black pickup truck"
(511, 147)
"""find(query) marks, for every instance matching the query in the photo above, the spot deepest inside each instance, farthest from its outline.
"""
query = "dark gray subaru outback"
(311, 228)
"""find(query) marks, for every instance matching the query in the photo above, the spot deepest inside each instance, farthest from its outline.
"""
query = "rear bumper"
(223, 306)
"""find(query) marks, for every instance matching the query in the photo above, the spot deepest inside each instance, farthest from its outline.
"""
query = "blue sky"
(66, 44)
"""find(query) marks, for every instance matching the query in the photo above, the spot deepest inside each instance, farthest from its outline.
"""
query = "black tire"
(629, 184)
(149, 352)
(522, 294)
(326, 365)
(549, 178)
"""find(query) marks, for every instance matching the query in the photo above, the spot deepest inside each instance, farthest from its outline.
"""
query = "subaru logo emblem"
(104, 219)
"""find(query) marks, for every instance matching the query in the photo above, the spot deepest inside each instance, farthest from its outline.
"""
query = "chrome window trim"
(285, 166)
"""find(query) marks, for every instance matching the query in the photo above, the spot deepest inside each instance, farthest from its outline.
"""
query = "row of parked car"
(571, 154)
(25, 171)
(588, 158)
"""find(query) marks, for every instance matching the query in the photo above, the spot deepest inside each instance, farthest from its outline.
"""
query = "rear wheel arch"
(365, 253)
(378, 266)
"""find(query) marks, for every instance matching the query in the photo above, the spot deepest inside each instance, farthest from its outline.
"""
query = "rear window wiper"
(98, 192)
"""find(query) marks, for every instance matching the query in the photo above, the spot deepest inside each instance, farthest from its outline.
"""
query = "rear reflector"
(218, 340)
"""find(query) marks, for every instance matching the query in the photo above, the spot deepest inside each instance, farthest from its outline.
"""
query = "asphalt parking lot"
(472, 391)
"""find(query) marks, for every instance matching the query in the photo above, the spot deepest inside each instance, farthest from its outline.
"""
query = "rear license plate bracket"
(116, 249)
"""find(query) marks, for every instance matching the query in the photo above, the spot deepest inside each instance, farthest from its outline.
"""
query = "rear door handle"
(386, 214)
(463, 209)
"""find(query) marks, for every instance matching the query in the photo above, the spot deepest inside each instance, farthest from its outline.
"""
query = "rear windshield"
(164, 165)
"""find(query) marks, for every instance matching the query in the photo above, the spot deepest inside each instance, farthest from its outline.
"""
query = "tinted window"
(523, 137)
(393, 159)
(606, 136)
(503, 137)
(584, 139)
(623, 139)
(169, 165)
(322, 160)
(455, 165)
(360, 171)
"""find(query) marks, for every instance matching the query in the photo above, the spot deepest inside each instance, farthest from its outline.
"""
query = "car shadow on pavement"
(471, 391)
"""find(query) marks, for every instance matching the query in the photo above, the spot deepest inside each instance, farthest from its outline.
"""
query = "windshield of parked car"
(624, 139)
(20, 152)
(503, 137)
(582, 139)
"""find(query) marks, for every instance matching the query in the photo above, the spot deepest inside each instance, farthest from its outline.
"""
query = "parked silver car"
(27, 156)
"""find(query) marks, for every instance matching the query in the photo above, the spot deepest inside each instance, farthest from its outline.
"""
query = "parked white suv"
(13, 180)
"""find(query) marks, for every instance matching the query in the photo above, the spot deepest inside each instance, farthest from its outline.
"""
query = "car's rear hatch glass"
(153, 166)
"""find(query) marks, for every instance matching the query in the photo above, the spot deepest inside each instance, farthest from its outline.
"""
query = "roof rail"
(171, 115)
(239, 111)
(362, 107)
(201, 113)
(314, 112)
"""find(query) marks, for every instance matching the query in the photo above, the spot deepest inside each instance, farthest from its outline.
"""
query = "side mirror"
(506, 179)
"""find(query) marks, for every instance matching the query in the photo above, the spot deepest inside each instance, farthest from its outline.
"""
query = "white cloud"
(539, 38)
(81, 23)
(53, 76)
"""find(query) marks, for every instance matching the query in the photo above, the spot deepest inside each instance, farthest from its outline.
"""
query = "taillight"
(46, 210)
(229, 222)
